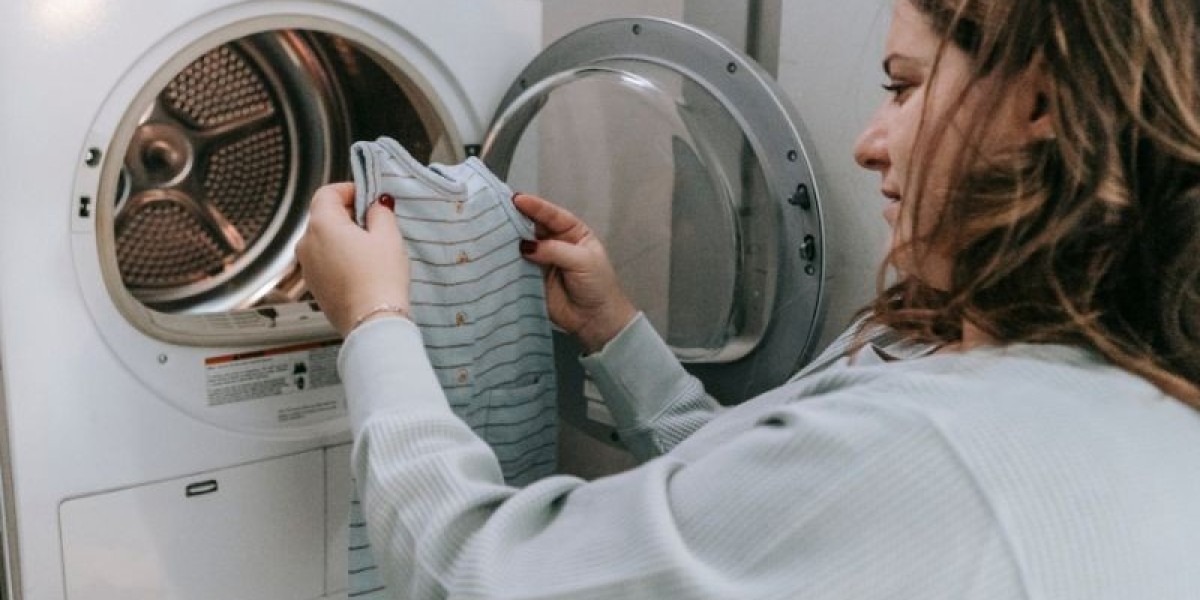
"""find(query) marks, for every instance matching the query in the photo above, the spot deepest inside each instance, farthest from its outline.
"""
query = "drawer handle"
(201, 488)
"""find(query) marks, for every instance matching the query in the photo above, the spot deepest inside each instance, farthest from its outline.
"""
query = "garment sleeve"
(655, 403)
(823, 499)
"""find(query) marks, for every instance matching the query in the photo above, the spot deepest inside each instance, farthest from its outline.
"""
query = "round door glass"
(664, 174)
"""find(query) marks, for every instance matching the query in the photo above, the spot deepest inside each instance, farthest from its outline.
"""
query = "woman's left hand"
(351, 270)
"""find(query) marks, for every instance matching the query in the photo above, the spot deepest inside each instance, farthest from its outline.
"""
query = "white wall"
(726, 18)
(829, 63)
(563, 16)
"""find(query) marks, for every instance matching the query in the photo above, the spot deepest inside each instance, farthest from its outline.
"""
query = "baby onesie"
(481, 310)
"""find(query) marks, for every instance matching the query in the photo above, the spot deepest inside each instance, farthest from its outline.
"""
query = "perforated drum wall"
(220, 166)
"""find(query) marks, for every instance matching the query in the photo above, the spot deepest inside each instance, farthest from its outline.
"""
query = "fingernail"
(387, 201)
(528, 247)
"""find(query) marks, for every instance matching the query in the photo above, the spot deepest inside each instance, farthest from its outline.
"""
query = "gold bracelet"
(382, 308)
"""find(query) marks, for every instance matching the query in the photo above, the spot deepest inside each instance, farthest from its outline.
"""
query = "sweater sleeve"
(655, 403)
(824, 499)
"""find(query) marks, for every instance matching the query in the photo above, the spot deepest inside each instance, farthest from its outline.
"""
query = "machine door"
(685, 158)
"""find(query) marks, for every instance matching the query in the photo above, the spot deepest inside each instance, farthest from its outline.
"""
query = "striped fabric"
(481, 310)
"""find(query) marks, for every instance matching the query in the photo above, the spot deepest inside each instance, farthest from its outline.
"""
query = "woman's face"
(888, 145)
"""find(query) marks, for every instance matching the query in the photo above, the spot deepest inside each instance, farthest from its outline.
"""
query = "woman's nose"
(870, 151)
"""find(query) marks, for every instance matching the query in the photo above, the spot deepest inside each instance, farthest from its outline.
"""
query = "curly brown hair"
(1091, 238)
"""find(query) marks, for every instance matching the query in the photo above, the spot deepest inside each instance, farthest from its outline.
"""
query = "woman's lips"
(892, 210)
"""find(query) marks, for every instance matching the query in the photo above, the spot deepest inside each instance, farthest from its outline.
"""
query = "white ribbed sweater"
(1017, 472)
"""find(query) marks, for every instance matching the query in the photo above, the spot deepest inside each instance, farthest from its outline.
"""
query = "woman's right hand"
(350, 270)
(583, 295)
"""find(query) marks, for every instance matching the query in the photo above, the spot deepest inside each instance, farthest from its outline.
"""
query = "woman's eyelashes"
(899, 90)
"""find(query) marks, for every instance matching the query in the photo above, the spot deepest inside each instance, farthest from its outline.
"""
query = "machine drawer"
(254, 531)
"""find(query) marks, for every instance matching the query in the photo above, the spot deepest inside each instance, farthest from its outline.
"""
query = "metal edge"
(579, 48)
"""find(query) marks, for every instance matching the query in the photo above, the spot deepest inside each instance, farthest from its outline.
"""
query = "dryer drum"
(218, 171)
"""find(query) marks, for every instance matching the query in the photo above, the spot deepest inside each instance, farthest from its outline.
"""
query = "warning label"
(273, 373)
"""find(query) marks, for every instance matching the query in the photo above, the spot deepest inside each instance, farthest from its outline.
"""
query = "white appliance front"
(159, 444)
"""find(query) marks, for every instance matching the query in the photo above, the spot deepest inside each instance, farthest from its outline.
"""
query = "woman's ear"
(1041, 119)
(1038, 105)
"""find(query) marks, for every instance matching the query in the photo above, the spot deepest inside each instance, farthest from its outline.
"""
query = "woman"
(1014, 418)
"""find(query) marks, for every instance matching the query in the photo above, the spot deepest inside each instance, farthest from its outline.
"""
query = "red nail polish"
(387, 201)
(528, 247)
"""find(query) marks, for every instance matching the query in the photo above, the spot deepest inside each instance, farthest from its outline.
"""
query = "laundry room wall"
(829, 57)
(727, 18)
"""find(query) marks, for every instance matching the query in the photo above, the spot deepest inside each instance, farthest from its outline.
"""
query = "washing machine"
(173, 423)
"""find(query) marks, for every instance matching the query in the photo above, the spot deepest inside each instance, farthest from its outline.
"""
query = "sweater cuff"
(383, 366)
(637, 374)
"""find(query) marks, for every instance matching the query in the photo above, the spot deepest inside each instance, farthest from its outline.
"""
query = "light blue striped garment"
(481, 310)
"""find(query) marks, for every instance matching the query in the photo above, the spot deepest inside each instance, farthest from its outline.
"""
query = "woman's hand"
(351, 270)
(583, 295)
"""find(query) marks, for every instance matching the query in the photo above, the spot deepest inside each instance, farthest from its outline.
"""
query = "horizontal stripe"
(518, 478)
(514, 457)
(497, 328)
(479, 319)
(370, 591)
(450, 284)
(472, 259)
(443, 369)
(446, 198)
(524, 468)
(530, 456)
(363, 570)
(540, 297)
(449, 198)
(435, 348)
(498, 227)
(529, 461)
(392, 160)
(462, 221)
(498, 385)
(527, 336)
(512, 386)
(438, 367)
(479, 299)
(541, 413)
(356, 548)
(476, 344)
(478, 414)
(479, 375)
(473, 411)
(510, 450)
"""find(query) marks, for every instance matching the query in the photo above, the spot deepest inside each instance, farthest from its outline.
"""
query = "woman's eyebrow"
(897, 57)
